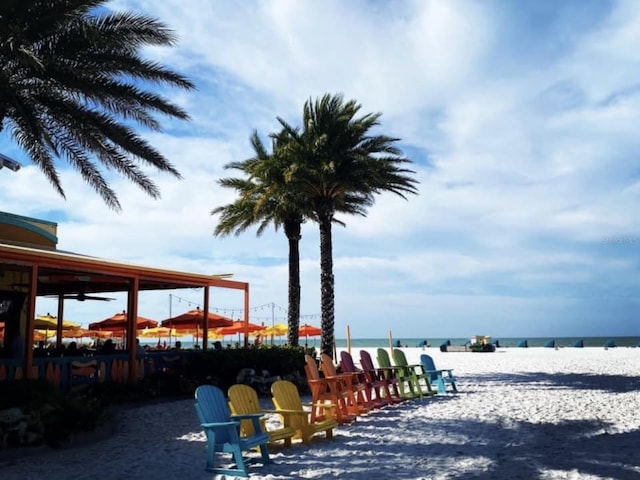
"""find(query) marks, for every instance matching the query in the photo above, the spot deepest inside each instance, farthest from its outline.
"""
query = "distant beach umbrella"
(579, 344)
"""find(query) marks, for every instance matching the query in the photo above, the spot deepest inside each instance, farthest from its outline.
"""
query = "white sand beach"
(520, 414)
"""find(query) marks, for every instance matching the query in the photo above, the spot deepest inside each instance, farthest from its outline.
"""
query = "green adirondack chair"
(396, 373)
(414, 376)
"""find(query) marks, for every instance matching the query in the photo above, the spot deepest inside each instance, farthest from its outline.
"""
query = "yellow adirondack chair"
(243, 399)
(287, 401)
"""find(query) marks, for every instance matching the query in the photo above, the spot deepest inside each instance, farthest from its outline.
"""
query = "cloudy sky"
(523, 122)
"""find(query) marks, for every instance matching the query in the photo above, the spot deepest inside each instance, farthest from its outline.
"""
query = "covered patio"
(27, 272)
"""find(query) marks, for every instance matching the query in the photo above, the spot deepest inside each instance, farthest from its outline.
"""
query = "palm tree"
(71, 87)
(264, 199)
(341, 167)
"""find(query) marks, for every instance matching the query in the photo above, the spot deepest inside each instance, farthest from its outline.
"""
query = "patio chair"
(287, 402)
(438, 377)
(243, 399)
(223, 432)
(372, 388)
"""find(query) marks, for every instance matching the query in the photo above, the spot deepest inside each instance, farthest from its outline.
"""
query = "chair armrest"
(218, 424)
(434, 371)
(290, 412)
(247, 416)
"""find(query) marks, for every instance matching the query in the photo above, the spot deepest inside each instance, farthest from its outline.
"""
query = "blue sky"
(522, 118)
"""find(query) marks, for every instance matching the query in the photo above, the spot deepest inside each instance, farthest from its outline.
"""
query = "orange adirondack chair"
(330, 390)
(359, 403)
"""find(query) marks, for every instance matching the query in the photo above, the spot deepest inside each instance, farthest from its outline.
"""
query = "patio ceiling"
(61, 273)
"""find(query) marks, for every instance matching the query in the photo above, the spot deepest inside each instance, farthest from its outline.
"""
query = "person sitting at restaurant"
(108, 346)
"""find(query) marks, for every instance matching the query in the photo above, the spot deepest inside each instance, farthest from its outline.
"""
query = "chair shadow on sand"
(579, 381)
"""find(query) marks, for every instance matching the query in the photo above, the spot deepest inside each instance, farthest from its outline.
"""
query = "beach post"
(390, 342)
(348, 339)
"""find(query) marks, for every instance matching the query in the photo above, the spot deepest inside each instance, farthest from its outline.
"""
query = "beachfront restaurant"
(31, 266)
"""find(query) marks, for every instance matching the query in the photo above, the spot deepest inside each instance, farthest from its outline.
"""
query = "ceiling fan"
(81, 297)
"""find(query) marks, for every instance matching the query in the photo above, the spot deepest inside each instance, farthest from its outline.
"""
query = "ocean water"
(506, 342)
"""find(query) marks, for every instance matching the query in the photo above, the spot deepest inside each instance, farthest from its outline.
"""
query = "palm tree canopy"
(341, 165)
(264, 195)
(71, 86)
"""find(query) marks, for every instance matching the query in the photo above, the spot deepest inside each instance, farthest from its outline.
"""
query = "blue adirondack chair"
(223, 432)
(438, 377)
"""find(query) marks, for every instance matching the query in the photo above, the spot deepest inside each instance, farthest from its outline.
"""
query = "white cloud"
(524, 136)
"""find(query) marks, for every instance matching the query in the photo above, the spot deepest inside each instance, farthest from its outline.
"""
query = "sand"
(520, 414)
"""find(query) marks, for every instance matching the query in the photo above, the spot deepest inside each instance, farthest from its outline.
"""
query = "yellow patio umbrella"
(50, 322)
(279, 329)
(158, 332)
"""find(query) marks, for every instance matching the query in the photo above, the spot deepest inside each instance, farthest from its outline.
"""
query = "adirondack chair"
(405, 387)
(372, 389)
(413, 375)
(329, 390)
(385, 388)
(360, 402)
(223, 432)
(440, 378)
(243, 399)
(287, 401)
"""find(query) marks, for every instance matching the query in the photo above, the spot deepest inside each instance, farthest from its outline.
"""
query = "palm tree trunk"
(292, 230)
(326, 285)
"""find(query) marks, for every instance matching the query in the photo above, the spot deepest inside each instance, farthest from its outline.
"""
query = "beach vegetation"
(73, 85)
(34, 412)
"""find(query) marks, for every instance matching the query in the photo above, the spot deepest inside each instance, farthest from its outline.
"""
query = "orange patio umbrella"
(118, 323)
(307, 330)
(194, 319)
(239, 327)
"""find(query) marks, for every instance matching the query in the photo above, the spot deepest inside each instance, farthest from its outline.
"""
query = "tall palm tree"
(264, 198)
(71, 87)
(341, 167)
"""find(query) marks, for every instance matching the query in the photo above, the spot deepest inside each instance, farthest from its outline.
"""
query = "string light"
(230, 312)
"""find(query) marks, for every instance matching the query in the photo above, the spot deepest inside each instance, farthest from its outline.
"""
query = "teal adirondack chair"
(223, 432)
(413, 376)
(440, 378)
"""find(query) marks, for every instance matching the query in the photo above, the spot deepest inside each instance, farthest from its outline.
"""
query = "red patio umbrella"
(118, 323)
(194, 319)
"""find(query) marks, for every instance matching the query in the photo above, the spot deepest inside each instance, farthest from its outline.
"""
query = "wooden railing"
(65, 372)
